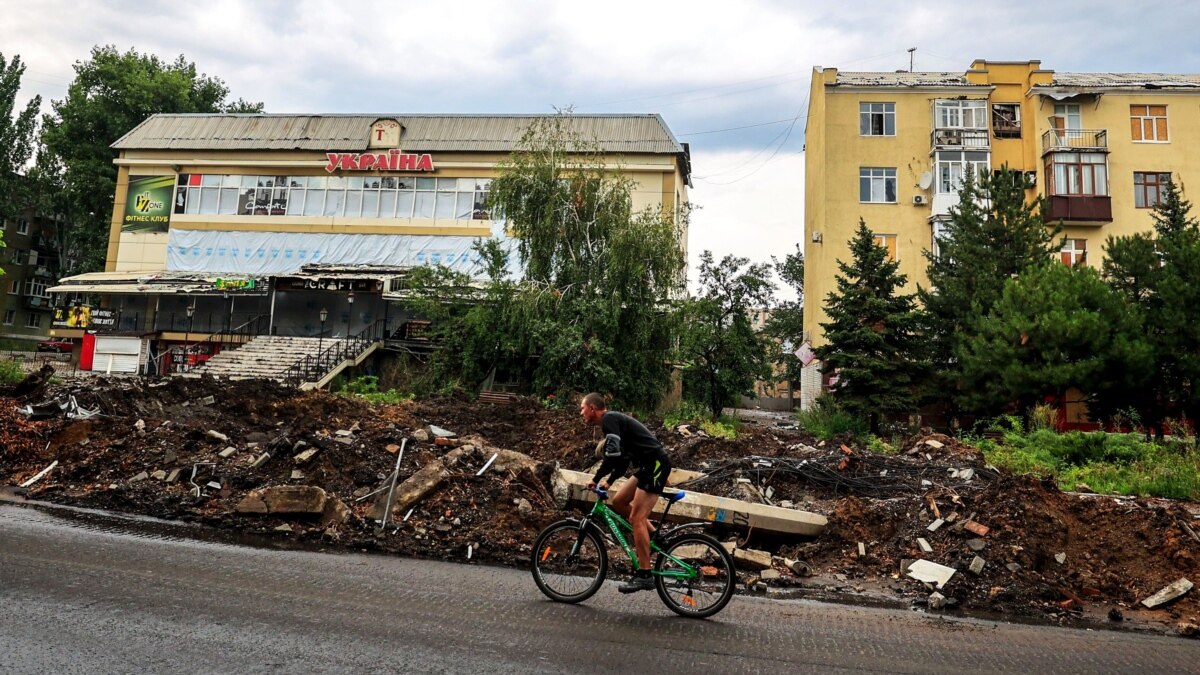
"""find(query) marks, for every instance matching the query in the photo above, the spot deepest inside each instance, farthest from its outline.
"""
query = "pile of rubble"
(460, 480)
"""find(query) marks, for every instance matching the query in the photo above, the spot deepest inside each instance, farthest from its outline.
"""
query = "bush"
(827, 419)
(690, 412)
(10, 372)
(367, 388)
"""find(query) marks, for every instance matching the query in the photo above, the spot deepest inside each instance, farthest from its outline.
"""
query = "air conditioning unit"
(919, 200)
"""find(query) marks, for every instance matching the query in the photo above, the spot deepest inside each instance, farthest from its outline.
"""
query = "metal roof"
(646, 133)
(903, 79)
(1127, 80)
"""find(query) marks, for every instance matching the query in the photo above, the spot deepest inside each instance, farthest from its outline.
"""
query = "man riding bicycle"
(628, 441)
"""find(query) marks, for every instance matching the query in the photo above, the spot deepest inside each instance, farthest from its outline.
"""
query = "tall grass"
(827, 419)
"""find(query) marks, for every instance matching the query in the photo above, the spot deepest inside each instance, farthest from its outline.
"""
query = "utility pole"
(910, 58)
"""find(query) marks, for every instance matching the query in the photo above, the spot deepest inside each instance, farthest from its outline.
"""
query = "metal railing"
(1074, 140)
(960, 138)
(310, 368)
(255, 326)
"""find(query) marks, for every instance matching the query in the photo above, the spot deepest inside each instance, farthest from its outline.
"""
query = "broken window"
(1006, 120)
(961, 114)
(877, 119)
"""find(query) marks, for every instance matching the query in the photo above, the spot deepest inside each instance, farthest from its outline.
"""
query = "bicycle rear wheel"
(704, 592)
(569, 566)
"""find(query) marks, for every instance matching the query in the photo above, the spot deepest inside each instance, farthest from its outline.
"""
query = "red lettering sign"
(393, 160)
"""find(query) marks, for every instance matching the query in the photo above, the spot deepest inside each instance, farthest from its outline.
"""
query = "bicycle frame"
(617, 526)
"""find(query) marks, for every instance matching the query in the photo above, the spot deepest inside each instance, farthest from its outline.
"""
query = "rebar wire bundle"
(867, 474)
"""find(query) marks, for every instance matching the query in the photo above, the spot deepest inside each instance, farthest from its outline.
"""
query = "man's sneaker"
(637, 583)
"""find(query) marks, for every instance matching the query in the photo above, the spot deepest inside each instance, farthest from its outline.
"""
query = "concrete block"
(295, 499)
(439, 432)
(227, 452)
(140, 477)
(750, 559)
(925, 547)
(159, 475)
(976, 544)
(769, 574)
(930, 572)
(262, 459)
(977, 564)
(1168, 593)
(306, 455)
(933, 527)
(173, 475)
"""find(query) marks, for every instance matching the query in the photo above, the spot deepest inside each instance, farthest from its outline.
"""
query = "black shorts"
(653, 477)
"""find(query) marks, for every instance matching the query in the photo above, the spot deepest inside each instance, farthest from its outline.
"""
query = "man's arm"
(615, 462)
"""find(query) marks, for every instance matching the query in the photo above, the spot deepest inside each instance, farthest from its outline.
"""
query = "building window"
(952, 166)
(961, 114)
(14, 286)
(877, 185)
(1148, 188)
(333, 196)
(877, 119)
(22, 226)
(887, 241)
(1078, 173)
(33, 320)
(1006, 120)
(35, 288)
(1148, 123)
(19, 256)
(9, 316)
(939, 232)
(1067, 116)
(1074, 252)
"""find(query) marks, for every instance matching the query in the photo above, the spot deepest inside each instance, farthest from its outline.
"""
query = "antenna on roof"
(910, 57)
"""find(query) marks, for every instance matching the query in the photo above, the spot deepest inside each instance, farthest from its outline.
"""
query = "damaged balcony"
(957, 138)
(1075, 140)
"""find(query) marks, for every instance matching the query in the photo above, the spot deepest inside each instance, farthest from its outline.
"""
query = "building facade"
(301, 224)
(892, 149)
(28, 264)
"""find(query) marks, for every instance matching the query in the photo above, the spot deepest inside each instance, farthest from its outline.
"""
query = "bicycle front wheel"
(569, 565)
(695, 575)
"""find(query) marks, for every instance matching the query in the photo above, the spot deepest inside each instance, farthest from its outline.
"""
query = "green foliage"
(1108, 463)
(17, 138)
(366, 387)
(10, 372)
(880, 447)
(1159, 277)
(110, 95)
(723, 354)
(786, 323)
(992, 235)
(827, 419)
(872, 343)
(1043, 416)
(1055, 328)
(590, 309)
(686, 412)
(722, 427)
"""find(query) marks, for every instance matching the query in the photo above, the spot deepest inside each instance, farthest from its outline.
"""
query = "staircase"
(264, 357)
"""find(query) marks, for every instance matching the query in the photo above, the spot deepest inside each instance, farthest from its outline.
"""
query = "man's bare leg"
(643, 504)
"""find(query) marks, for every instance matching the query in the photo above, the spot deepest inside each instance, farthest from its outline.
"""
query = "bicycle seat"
(674, 496)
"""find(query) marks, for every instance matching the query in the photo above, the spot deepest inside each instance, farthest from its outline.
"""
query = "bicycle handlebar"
(600, 492)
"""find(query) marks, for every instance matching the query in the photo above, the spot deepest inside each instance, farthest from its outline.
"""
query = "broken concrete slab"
(140, 477)
(930, 572)
(344, 432)
(936, 445)
(924, 544)
(294, 499)
(416, 486)
(159, 475)
(344, 440)
(750, 559)
(216, 435)
(976, 544)
(306, 455)
(420, 435)
(227, 452)
(1168, 593)
(936, 601)
(262, 459)
(1060, 558)
(933, 527)
(977, 564)
(769, 574)
(173, 475)
(571, 487)
(297, 474)
(336, 512)
(439, 432)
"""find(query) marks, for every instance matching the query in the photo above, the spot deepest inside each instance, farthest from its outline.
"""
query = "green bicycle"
(692, 571)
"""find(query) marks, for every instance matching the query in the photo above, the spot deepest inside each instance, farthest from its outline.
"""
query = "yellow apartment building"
(892, 148)
(298, 225)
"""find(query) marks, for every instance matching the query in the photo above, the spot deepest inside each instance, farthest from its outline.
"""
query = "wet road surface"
(87, 594)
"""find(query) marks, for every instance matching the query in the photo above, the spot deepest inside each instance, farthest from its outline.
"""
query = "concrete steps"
(266, 357)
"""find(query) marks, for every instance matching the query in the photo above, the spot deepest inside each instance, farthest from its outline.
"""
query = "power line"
(748, 126)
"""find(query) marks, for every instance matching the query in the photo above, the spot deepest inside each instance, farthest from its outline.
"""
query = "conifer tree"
(871, 334)
(993, 234)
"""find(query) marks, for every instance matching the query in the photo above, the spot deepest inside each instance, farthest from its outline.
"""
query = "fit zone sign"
(392, 160)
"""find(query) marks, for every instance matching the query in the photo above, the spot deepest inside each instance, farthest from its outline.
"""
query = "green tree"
(786, 323)
(724, 355)
(590, 309)
(1053, 329)
(993, 234)
(110, 95)
(872, 341)
(17, 138)
(1158, 274)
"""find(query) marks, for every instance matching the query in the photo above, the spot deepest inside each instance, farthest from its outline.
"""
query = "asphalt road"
(84, 594)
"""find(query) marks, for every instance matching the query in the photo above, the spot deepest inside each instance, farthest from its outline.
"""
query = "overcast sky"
(730, 78)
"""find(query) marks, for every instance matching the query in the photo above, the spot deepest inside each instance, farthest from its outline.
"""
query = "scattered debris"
(1169, 593)
(930, 572)
(40, 474)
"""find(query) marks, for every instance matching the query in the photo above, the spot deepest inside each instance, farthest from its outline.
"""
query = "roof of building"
(1127, 80)
(640, 133)
(903, 79)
